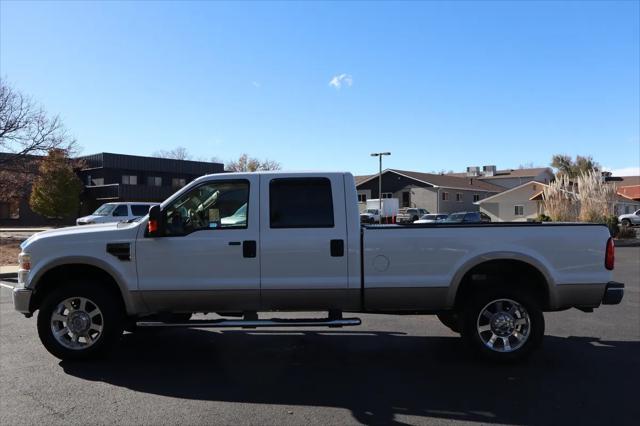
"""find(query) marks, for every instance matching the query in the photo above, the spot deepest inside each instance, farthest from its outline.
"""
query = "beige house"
(517, 204)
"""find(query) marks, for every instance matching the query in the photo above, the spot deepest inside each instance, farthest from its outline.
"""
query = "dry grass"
(9, 250)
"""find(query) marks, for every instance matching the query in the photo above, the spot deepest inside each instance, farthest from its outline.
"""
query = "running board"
(275, 322)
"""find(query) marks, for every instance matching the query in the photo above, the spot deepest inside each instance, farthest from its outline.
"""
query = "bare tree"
(26, 129)
(26, 134)
(177, 153)
(249, 164)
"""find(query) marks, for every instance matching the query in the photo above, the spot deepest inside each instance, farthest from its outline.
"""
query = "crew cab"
(236, 244)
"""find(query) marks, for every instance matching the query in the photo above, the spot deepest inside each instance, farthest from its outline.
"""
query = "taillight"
(610, 255)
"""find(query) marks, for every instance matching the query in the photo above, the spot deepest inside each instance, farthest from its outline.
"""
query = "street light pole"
(379, 155)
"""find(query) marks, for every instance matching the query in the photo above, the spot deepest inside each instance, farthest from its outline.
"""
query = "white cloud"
(255, 84)
(624, 171)
(341, 80)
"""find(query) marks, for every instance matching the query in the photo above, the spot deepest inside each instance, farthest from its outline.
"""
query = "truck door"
(303, 235)
(207, 258)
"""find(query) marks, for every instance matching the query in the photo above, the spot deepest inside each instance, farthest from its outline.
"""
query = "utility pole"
(379, 155)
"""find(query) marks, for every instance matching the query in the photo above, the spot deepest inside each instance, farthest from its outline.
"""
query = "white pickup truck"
(239, 244)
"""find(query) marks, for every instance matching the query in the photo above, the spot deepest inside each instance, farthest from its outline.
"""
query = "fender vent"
(120, 250)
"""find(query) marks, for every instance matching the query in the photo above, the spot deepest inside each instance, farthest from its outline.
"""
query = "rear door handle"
(337, 248)
(249, 248)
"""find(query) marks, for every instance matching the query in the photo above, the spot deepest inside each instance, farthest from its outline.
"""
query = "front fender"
(132, 302)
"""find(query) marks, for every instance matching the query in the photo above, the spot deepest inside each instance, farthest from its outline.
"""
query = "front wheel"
(626, 223)
(503, 325)
(80, 321)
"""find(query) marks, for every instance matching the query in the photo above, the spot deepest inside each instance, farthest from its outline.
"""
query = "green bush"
(543, 218)
(626, 232)
(612, 223)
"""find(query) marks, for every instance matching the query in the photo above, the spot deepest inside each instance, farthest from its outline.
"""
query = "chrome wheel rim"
(503, 325)
(76, 323)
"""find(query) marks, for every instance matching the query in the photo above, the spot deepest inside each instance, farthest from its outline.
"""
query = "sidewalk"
(8, 271)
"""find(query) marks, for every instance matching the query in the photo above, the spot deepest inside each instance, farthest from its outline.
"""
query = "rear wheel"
(503, 325)
(80, 321)
(626, 222)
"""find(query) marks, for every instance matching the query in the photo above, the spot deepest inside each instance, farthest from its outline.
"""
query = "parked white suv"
(630, 219)
(116, 212)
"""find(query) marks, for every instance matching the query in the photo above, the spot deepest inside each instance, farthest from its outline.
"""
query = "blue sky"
(440, 85)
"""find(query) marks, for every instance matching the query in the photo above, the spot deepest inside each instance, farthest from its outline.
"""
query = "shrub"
(626, 232)
(612, 223)
(543, 218)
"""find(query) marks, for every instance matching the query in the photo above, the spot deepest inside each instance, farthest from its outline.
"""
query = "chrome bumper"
(613, 293)
(22, 300)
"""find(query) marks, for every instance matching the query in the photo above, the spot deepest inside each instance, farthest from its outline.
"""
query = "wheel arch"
(479, 271)
(52, 275)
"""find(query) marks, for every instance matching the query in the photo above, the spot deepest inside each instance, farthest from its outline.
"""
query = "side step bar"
(275, 322)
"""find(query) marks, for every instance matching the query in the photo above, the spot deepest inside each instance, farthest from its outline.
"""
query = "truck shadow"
(379, 377)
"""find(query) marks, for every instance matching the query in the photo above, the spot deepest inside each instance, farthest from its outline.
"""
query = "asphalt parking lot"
(403, 370)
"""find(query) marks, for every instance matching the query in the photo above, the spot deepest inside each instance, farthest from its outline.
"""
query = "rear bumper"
(613, 293)
(22, 300)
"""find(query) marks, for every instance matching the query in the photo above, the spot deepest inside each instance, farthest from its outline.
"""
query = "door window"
(300, 203)
(139, 209)
(121, 210)
(212, 206)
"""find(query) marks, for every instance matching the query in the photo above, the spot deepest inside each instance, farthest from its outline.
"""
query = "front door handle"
(337, 248)
(249, 248)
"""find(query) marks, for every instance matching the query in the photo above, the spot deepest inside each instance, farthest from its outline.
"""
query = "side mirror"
(155, 225)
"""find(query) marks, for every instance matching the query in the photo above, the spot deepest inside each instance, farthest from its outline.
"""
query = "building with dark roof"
(434, 192)
(508, 178)
(117, 177)
(111, 177)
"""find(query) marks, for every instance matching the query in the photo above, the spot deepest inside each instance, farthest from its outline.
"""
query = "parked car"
(410, 214)
(467, 217)
(116, 212)
(300, 247)
(432, 218)
(630, 219)
(370, 216)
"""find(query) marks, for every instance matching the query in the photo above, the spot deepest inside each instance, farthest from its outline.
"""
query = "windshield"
(429, 217)
(105, 210)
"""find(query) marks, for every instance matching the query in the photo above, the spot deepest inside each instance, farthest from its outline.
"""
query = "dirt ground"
(9, 251)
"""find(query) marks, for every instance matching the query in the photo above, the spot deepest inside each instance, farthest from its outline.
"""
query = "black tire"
(626, 222)
(111, 320)
(499, 351)
(451, 320)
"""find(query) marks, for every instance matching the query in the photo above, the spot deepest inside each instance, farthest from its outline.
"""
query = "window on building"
(154, 181)
(130, 179)
(518, 210)
(445, 196)
(178, 182)
(362, 198)
(10, 210)
(476, 197)
(459, 197)
(97, 181)
(387, 195)
(300, 203)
